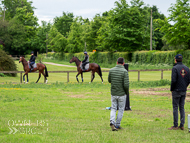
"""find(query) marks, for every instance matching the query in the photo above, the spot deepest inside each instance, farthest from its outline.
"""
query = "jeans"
(31, 63)
(178, 100)
(117, 101)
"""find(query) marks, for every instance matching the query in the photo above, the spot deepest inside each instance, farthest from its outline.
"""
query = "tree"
(125, 29)
(75, 41)
(38, 42)
(63, 23)
(18, 32)
(57, 42)
(177, 33)
(157, 35)
(12, 5)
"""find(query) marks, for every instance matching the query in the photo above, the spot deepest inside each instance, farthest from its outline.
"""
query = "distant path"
(50, 63)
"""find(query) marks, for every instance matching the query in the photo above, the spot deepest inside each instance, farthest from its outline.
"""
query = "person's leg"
(114, 102)
(83, 65)
(182, 110)
(175, 102)
(31, 64)
(121, 105)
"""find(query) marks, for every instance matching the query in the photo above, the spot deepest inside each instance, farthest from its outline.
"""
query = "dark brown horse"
(92, 67)
(40, 67)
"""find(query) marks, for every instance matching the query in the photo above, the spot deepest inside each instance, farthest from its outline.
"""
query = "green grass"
(62, 77)
(76, 113)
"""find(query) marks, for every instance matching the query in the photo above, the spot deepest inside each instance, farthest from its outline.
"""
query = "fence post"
(161, 74)
(138, 75)
(21, 77)
(67, 76)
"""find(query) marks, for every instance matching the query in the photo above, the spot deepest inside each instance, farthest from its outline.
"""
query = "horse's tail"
(46, 72)
(100, 71)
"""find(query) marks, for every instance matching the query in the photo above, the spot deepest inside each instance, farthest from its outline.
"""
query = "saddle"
(34, 66)
(85, 68)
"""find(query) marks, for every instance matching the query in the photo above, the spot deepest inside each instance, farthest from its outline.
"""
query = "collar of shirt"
(120, 66)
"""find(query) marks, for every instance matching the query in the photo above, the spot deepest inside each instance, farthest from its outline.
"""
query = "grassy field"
(62, 77)
(71, 112)
(76, 113)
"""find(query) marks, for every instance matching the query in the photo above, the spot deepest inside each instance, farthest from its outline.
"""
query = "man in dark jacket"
(179, 82)
(118, 77)
(85, 61)
(32, 59)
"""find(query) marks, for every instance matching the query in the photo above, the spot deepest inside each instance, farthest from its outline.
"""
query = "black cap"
(32, 52)
(178, 56)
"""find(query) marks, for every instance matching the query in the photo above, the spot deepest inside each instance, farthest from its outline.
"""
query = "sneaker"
(113, 127)
(182, 128)
(173, 128)
(118, 127)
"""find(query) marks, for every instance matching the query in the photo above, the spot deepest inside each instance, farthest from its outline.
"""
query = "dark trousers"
(178, 100)
(83, 64)
(31, 63)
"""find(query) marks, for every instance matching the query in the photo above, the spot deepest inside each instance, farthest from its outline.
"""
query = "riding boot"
(31, 68)
(83, 67)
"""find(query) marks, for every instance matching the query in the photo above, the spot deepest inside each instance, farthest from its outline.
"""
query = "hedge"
(141, 57)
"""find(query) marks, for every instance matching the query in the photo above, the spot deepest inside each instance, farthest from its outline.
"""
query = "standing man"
(118, 77)
(32, 59)
(85, 61)
(179, 83)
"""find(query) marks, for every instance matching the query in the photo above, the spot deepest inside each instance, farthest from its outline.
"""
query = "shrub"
(7, 63)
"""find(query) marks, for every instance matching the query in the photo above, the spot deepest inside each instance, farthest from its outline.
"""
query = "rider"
(86, 60)
(32, 59)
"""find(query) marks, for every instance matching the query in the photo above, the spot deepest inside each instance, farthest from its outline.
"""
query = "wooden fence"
(21, 72)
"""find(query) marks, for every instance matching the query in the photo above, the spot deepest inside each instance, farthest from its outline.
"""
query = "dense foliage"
(7, 63)
(125, 28)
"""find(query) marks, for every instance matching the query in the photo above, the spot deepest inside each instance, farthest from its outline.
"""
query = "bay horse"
(92, 67)
(40, 67)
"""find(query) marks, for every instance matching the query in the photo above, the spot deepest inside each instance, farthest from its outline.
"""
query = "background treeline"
(125, 28)
(138, 57)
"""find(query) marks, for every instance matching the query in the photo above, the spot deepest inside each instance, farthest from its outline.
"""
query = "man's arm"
(109, 77)
(126, 82)
(173, 79)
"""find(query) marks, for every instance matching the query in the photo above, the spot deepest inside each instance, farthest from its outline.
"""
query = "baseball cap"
(178, 56)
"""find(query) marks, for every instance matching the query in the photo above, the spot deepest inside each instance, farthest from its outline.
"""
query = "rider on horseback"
(32, 59)
(85, 61)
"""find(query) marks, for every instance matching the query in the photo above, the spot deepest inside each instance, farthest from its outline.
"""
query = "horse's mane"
(78, 59)
(24, 59)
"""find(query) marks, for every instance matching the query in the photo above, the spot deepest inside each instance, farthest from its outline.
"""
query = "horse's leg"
(100, 76)
(38, 77)
(82, 76)
(77, 77)
(24, 78)
(44, 76)
(93, 76)
(27, 78)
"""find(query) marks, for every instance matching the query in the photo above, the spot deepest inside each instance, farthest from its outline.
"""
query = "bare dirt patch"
(152, 91)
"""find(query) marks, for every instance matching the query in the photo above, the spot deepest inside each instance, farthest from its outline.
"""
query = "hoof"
(102, 82)
(46, 81)
(26, 82)
(89, 82)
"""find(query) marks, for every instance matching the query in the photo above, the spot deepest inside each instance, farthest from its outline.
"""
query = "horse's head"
(73, 59)
(21, 59)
